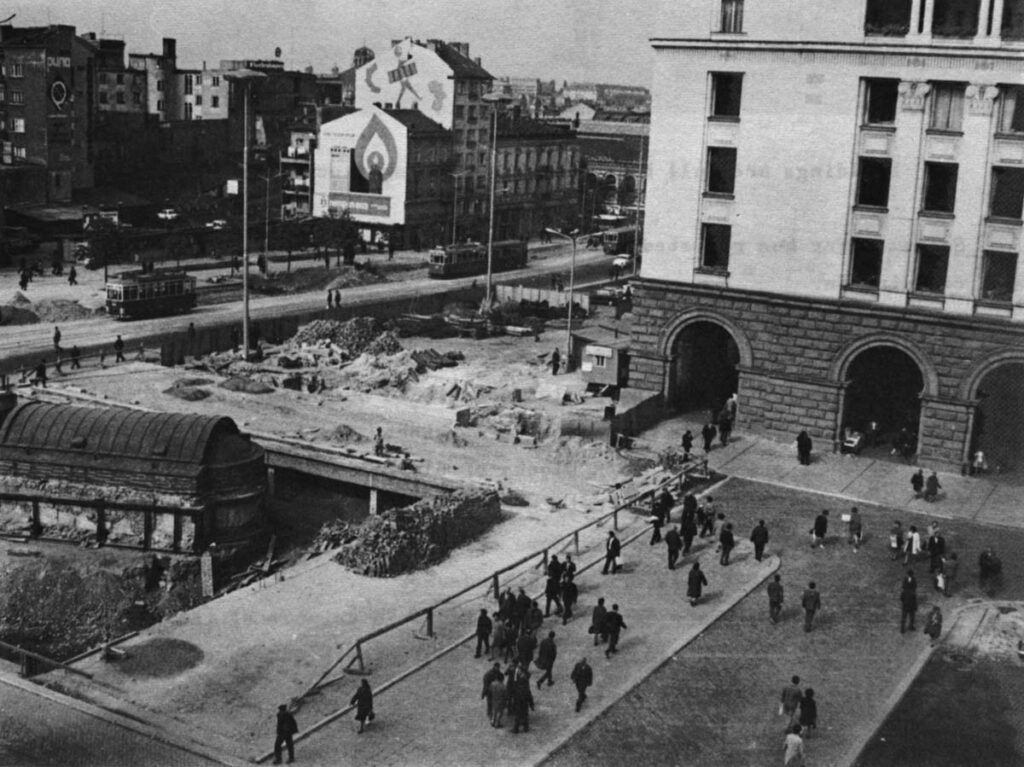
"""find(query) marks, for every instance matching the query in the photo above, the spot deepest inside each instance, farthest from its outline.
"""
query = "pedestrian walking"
(76, 356)
(808, 713)
(597, 621)
(706, 515)
(726, 541)
(40, 371)
(286, 729)
(119, 349)
(855, 528)
(933, 624)
(330, 299)
(583, 677)
(56, 338)
(908, 602)
(522, 609)
(675, 545)
(932, 487)
(487, 693)
(534, 618)
(661, 506)
(950, 569)
(363, 701)
(499, 636)
(804, 443)
(895, 540)
(687, 444)
(522, 699)
(917, 483)
(613, 626)
(499, 699)
(570, 593)
(759, 537)
(912, 546)
(811, 602)
(72, 275)
(556, 361)
(819, 529)
(936, 550)
(688, 530)
(789, 701)
(708, 434)
(553, 593)
(612, 554)
(484, 626)
(568, 566)
(190, 338)
(793, 748)
(775, 598)
(724, 426)
(526, 646)
(378, 442)
(547, 651)
(695, 583)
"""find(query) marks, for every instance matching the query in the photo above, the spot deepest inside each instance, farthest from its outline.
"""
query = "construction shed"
(171, 481)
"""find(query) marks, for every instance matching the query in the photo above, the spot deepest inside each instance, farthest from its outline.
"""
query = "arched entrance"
(703, 372)
(999, 418)
(627, 191)
(883, 397)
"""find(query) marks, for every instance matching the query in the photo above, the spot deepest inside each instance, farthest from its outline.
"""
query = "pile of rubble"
(347, 339)
(417, 536)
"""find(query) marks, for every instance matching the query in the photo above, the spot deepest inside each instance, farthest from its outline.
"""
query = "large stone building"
(834, 225)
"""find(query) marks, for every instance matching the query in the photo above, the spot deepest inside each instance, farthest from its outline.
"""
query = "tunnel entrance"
(883, 401)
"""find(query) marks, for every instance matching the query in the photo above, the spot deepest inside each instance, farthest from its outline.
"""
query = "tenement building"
(834, 223)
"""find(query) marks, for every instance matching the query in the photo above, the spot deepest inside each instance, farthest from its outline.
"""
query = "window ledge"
(991, 303)
(879, 127)
(1003, 220)
(870, 208)
(925, 295)
(717, 271)
(723, 118)
(719, 196)
(937, 214)
(856, 288)
(943, 132)
(717, 33)
(1010, 136)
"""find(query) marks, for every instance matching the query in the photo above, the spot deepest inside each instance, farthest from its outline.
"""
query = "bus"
(156, 293)
(469, 258)
(622, 239)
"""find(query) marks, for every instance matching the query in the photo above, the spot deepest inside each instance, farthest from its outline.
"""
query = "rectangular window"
(215, 81)
(999, 272)
(188, 111)
(459, 112)
(17, 125)
(199, 100)
(873, 181)
(17, 69)
(715, 244)
(160, 85)
(188, 85)
(721, 170)
(732, 16)
(1011, 109)
(956, 18)
(3, 93)
(866, 262)
(1007, 192)
(726, 90)
(214, 101)
(17, 97)
(940, 186)
(887, 17)
(947, 106)
(20, 152)
(159, 106)
(120, 97)
(136, 98)
(880, 99)
(932, 261)
(472, 113)
(120, 78)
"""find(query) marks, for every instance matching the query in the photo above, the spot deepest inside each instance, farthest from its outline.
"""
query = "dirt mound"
(11, 314)
(576, 451)
(246, 385)
(20, 299)
(187, 393)
(351, 338)
(60, 310)
(345, 433)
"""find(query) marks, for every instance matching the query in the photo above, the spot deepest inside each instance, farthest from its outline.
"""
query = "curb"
(139, 726)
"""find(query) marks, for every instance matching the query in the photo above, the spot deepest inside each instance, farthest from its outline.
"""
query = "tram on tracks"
(136, 294)
(469, 258)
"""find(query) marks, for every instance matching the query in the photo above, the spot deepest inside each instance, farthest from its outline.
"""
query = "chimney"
(170, 48)
(477, 61)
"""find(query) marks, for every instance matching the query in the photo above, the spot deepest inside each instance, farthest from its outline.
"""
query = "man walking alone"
(811, 603)
(582, 676)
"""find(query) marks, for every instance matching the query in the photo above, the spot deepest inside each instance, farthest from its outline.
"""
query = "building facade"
(834, 225)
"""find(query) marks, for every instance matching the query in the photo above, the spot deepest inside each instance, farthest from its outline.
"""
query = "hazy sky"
(602, 40)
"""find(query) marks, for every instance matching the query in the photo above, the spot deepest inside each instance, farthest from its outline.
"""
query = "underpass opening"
(882, 410)
(704, 368)
(998, 430)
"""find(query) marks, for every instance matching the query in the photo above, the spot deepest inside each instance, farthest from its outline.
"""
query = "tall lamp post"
(244, 77)
(495, 98)
(571, 237)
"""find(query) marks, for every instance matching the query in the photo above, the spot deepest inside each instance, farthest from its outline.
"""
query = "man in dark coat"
(695, 583)
(484, 626)
(689, 508)
(759, 537)
(556, 361)
(286, 729)
(687, 443)
(612, 550)
(688, 530)
(708, 434)
(582, 676)
(908, 602)
(917, 482)
(523, 605)
(597, 621)
(932, 487)
(570, 593)
(546, 654)
(526, 645)
(522, 699)
(493, 673)
(811, 602)
(613, 626)
(726, 541)
(803, 448)
(675, 545)
(775, 597)
(119, 349)
(936, 550)
(363, 701)
(820, 529)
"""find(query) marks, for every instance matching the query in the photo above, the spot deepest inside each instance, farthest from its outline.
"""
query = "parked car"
(167, 214)
(217, 223)
(624, 261)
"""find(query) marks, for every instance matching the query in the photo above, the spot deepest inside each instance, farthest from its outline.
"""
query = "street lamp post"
(572, 285)
(495, 98)
(245, 77)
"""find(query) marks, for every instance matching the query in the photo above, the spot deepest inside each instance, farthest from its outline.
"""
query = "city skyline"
(559, 40)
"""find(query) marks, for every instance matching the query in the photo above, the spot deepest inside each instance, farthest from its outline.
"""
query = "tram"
(619, 240)
(157, 293)
(469, 258)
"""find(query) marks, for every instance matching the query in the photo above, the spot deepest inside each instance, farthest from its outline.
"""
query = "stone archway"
(996, 387)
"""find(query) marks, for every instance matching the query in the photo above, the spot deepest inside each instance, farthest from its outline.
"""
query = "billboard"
(408, 76)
